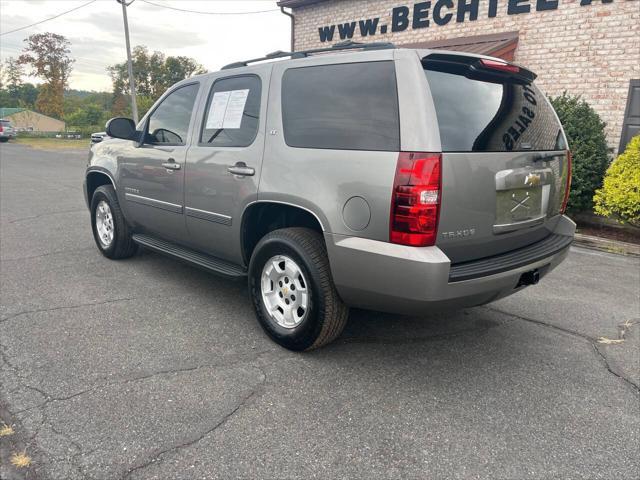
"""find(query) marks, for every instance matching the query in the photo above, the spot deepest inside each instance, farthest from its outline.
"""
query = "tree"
(13, 72)
(179, 68)
(47, 54)
(620, 195)
(27, 95)
(588, 143)
(153, 74)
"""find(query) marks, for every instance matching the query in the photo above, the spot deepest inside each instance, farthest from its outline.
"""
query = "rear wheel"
(4, 139)
(292, 290)
(110, 229)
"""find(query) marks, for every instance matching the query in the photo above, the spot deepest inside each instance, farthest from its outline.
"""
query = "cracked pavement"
(152, 369)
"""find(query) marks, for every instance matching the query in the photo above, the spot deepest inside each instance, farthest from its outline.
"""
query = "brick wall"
(591, 50)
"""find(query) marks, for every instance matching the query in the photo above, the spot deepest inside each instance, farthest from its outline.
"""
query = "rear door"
(224, 162)
(505, 159)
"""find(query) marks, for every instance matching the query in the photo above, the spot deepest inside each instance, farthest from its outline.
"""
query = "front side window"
(351, 106)
(233, 112)
(169, 123)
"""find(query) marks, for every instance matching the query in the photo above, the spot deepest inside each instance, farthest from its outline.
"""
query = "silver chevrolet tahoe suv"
(362, 176)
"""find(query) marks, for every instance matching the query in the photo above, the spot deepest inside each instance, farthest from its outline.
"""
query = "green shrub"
(588, 144)
(620, 195)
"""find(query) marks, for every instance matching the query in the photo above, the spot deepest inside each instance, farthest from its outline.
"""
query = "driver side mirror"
(121, 127)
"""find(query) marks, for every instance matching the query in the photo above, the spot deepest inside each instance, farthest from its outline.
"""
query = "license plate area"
(518, 205)
(522, 198)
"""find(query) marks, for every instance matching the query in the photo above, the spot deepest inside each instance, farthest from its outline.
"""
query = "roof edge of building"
(297, 3)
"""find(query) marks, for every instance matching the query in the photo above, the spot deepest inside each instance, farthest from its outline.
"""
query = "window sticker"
(227, 109)
(215, 120)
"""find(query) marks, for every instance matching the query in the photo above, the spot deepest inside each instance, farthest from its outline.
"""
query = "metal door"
(224, 162)
(152, 174)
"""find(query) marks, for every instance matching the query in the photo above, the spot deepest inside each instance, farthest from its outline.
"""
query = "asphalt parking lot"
(151, 369)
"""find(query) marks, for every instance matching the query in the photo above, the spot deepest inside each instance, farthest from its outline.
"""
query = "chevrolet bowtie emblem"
(533, 180)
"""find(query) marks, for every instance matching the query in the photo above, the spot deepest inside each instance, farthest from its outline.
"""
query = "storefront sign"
(438, 12)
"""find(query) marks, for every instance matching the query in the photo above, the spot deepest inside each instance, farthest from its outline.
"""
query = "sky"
(96, 32)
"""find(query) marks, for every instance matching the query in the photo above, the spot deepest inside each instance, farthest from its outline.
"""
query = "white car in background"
(98, 137)
(7, 131)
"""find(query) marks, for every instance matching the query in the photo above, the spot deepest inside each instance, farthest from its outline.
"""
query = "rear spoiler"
(479, 68)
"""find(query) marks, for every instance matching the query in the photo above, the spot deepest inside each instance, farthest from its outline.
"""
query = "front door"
(153, 174)
(224, 161)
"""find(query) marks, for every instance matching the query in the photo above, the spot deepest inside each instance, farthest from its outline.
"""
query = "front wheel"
(292, 290)
(110, 229)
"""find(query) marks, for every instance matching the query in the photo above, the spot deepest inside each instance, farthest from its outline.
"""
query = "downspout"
(293, 28)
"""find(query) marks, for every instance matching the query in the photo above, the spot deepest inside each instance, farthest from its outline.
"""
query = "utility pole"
(132, 83)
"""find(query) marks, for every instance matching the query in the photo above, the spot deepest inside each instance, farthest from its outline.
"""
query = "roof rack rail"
(346, 45)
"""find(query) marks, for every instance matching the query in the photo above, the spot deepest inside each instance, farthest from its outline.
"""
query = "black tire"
(122, 245)
(4, 139)
(327, 314)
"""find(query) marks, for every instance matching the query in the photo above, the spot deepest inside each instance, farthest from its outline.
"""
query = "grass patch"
(54, 143)
(21, 460)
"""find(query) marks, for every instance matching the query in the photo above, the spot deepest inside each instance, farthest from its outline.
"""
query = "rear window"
(352, 106)
(479, 115)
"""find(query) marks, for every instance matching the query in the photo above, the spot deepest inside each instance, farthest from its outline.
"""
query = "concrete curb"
(606, 245)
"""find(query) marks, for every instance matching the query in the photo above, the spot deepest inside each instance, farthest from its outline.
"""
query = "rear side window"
(478, 115)
(233, 112)
(351, 106)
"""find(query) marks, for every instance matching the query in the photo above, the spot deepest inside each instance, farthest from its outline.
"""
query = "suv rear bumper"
(395, 278)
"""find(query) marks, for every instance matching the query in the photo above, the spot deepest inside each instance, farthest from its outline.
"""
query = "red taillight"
(496, 65)
(1, 128)
(566, 193)
(415, 201)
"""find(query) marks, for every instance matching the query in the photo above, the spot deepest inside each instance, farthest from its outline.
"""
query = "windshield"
(479, 115)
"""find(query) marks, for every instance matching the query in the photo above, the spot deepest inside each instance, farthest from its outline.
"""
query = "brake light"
(415, 200)
(1, 128)
(568, 189)
(497, 65)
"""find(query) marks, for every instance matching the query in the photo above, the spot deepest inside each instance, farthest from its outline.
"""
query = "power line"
(207, 13)
(47, 19)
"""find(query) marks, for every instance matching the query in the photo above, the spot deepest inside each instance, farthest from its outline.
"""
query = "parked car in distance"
(7, 131)
(368, 176)
(98, 137)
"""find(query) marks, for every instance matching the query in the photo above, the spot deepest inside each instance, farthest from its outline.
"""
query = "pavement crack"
(33, 217)
(49, 254)
(65, 307)
(543, 324)
(603, 357)
(48, 398)
(623, 329)
(156, 456)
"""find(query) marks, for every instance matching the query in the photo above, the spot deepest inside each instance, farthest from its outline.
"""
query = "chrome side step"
(202, 260)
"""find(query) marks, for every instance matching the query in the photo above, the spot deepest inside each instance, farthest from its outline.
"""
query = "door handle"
(171, 165)
(242, 170)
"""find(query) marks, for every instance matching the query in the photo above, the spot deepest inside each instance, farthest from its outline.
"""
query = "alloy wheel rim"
(104, 224)
(285, 293)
